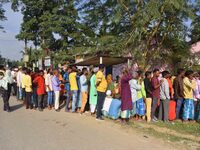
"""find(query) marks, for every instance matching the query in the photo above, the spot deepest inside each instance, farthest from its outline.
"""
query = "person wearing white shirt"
(19, 84)
(49, 88)
(164, 98)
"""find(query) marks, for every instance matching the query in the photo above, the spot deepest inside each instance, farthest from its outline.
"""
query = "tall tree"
(195, 32)
(2, 11)
(50, 24)
(147, 29)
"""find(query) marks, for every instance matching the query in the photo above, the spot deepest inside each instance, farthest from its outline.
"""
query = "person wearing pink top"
(196, 93)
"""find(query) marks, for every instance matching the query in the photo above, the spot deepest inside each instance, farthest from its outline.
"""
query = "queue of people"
(149, 96)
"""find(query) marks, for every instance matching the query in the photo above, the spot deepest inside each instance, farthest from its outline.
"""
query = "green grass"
(149, 129)
(190, 128)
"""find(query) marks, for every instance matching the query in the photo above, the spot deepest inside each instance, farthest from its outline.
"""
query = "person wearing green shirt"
(93, 92)
(141, 96)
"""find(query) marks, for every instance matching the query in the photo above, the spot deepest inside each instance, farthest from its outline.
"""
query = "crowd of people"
(149, 96)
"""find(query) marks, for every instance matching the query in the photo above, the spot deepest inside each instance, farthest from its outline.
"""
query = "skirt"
(188, 109)
(140, 107)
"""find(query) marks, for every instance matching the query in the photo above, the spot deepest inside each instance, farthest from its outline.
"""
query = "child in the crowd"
(164, 98)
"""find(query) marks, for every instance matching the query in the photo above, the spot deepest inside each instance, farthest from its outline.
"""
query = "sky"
(9, 46)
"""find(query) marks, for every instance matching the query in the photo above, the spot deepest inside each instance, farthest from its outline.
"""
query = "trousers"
(57, 98)
(84, 100)
(148, 108)
(163, 110)
(100, 102)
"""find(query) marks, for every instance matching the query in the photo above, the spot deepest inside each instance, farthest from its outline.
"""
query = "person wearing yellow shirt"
(101, 85)
(188, 87)
(27, 83)
(22, 84)
(74, 87)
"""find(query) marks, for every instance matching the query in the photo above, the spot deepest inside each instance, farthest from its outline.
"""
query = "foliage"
(154, 32)
(2, 11)
(147, 29)
(195, 33)
(50, 24)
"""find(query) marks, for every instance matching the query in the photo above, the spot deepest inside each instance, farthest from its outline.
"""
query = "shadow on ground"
(16, 107)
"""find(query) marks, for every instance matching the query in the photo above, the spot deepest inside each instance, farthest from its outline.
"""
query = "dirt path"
(33, 130)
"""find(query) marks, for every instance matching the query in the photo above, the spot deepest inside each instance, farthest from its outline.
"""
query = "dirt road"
(33, 130)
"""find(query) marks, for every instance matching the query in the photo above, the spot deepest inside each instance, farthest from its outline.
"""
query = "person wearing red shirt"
(40, 82)
(35, 97)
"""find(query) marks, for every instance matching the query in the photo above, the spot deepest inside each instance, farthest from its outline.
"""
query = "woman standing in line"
(126, 105)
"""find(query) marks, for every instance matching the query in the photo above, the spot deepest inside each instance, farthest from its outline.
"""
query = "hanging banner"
(47, 61)
(25, 58)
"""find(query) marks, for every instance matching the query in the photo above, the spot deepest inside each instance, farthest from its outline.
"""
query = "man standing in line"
(67, 87)
(49, 88)
(84, 89)
(178, 92)
(73, 88)
(188, 87)
(40, 82)
(19, 84)
(101, 84)
(27, 83)
(164, 98)
(56, 89)
(155, 93)
(148, 88)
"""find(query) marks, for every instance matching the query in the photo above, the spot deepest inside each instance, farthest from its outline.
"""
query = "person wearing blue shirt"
(67, 86)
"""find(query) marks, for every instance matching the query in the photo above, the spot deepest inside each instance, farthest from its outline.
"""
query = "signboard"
(40, 64)
(47, 61)
(25, 58)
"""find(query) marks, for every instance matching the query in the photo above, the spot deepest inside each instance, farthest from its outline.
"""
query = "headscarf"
(135, 74)
(109, 79)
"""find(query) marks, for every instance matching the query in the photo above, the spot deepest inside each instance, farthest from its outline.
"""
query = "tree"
(147, 29)
(195, 32)
(44, 19)
(2, 11)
